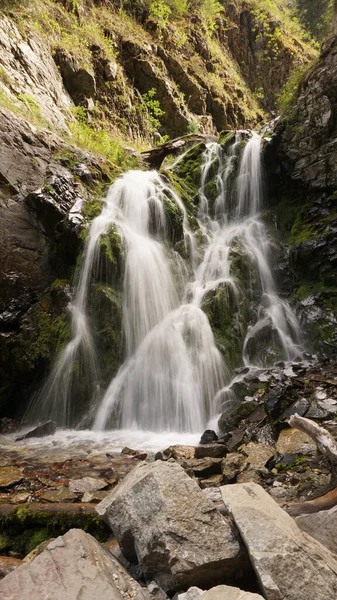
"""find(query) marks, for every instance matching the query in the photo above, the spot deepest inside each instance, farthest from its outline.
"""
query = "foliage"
(163, 11)
(290, 91)
(153, 108)
(315, 16)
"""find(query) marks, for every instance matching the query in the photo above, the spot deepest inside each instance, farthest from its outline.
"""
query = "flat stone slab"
(9, 476)
(161, 518)
(87, 484)
(73, 567)
(289, 564)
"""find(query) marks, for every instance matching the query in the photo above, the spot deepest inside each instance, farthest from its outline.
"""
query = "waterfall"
(173, 371)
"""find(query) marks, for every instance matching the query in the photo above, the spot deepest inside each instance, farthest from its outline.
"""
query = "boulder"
(208, 437)
(47, 428)
(322, 526)
(73, 567)
(161, 518)
(292, 441)
(225, 592)
(289, 564)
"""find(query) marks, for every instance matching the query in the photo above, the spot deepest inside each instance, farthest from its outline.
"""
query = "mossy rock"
(22, 529)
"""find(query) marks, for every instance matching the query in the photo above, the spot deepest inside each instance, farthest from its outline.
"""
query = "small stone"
(193, 593)
(8, 564)
(86, 484)
(208, 437)
(136, 453)
(179, 451)
(60, 495)
(156, 591)
(203, 467)
(94, 496)
(10, 476)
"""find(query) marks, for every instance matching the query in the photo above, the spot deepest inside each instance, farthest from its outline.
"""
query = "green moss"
(246, 409)
(52, 335)
(175, 219)
(23, 529)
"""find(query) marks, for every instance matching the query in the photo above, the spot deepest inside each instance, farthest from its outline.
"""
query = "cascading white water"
(173, 372)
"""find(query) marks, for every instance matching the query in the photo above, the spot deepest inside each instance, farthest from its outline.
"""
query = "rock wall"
(41, 201)
(301, 161)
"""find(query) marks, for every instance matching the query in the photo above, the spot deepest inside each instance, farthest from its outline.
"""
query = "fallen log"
(328, 447)
(156, 156)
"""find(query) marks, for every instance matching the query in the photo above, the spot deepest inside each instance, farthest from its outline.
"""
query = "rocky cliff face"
(301, 159)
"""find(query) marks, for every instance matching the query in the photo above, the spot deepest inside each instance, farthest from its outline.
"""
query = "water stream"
(173, 372)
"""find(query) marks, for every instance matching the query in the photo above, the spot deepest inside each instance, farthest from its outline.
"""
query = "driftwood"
(155, 156)
(328, 448)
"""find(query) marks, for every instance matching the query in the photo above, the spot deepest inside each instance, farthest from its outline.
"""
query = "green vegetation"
(23, 529)
(315, 16)
(153, 108)
(164, 11)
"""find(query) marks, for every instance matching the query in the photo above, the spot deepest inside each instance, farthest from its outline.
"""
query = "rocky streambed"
(162, 501)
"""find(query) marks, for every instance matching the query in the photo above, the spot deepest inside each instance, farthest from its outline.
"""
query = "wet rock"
(235, 439)
(293, 441)
(213, 481)
(211, 450)
(159, 515)
(289, 564)
(203, 467)
(8, 425)
(61, 494)
(8, 564)
(10, 476)
(180, 452)
(208, 437)
(87, 484)
(225, 592)
(136, 453)
(82, 568)
(300, 408)
(322, 409)
(322, 526)
(47, 428)
(232, 465)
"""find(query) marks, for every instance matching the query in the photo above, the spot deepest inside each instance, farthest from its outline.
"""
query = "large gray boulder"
(161, 518)
(322, 526)
(289, 564)
(73, 567)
